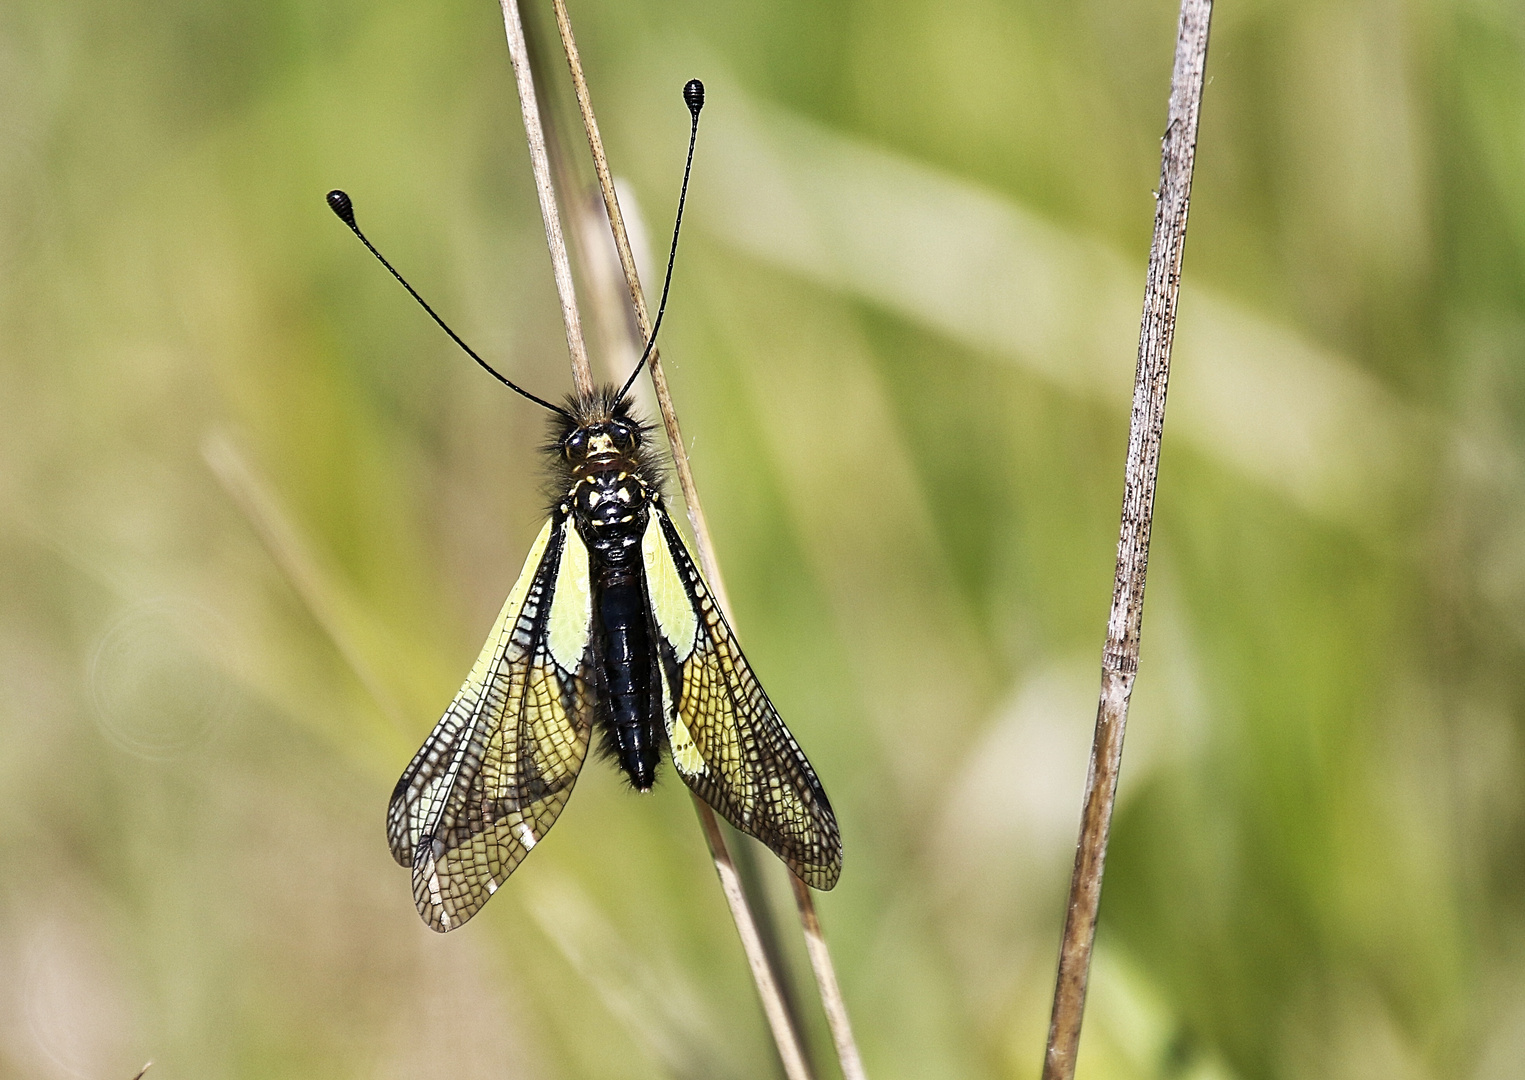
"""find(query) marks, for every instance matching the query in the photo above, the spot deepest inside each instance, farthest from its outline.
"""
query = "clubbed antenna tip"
(340, 203)
(344, 209)
(693, 96)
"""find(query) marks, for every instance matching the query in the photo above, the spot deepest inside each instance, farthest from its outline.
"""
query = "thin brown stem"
(702, 540)
(1124, 622)
(790, 1051)
(826, 981)
(821, 964)
(518, 55)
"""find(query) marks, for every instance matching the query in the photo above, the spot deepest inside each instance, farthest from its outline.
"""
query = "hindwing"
(492, 778)
(728, 743)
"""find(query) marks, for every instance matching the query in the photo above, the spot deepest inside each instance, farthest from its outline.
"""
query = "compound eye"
(576, 445)
(624, 437)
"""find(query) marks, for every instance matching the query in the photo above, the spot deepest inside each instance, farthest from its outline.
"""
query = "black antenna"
(693, 95)
(341, 205)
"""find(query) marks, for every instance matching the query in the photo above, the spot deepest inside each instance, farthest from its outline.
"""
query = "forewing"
(492, 778)
(728, 742)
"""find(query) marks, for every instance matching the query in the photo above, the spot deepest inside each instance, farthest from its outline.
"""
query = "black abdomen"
(634, 722)
(610, 507)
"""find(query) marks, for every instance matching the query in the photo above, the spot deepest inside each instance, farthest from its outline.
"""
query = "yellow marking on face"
(572, 604)
(600, 444)
(669, 599)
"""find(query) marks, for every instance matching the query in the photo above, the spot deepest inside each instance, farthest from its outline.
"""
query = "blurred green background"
(256, 515)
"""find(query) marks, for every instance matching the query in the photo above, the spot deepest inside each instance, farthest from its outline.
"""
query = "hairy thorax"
(610, 506)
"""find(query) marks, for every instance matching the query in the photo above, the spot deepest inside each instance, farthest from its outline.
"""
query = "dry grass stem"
(785, 1035)
(643, 318)
(820, 956)
(826, 981)
(518, 55)
(787, 1039)
(1146, 426)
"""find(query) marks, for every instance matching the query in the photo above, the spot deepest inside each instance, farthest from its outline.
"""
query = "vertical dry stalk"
(643, 318)
(1120, 657)
(820, 956)
(826, 982)
(518, 55)
(787, 1038)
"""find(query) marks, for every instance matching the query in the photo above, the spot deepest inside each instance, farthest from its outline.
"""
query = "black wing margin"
(494, 775)
(729, 744)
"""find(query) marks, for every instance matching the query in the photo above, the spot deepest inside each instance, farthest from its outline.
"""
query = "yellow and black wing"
(728, 743)
(492, 778)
